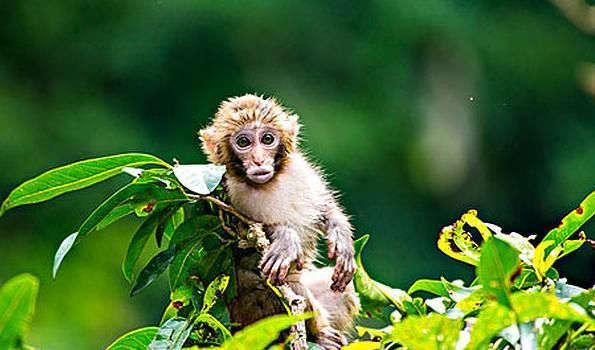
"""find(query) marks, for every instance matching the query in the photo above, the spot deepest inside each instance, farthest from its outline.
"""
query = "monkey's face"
(256, 150)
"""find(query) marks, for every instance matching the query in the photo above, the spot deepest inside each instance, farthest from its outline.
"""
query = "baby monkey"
(269, 180)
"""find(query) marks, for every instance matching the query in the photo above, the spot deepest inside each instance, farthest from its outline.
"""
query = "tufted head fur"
(248, 110)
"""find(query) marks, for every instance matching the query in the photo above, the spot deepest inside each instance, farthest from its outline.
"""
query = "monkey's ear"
(293, 125)
(208, 138)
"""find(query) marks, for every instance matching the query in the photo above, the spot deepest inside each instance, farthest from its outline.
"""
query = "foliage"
(189, 228)
(517, 298)
(17, 305)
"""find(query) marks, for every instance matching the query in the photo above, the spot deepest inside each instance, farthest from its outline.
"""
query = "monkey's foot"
(330, 339)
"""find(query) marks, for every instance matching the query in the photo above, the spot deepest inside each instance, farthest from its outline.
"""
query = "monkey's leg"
(336, 310)
(319, 325)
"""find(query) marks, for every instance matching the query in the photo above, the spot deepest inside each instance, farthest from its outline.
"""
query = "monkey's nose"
(258, 162)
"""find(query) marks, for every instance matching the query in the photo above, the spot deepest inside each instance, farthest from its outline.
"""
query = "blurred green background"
(419, 110)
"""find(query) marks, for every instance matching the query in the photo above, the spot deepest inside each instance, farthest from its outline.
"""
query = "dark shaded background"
(419, 110)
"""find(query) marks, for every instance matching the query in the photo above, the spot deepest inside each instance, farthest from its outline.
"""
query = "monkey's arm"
(340, 245)
(284, 250)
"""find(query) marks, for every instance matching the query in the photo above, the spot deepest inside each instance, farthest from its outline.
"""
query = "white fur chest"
(295, 198)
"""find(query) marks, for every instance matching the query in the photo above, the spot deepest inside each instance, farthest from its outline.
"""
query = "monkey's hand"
(340, 247)
(284, 250)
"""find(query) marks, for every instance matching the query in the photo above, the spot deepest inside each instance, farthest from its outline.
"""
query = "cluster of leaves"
(194, 247)
(517, 299)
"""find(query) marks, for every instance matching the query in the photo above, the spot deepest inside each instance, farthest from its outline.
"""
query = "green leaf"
(430, 286)
(583, 342)
(155, 198)
(417, 306)
(571, 245)
(188, 237)
(172, 334)
(432, 332)
(105, 208)
(138, 243)
(17, 306)
(570, 223)
(74, 177)
(374, 294)
(497, 263)
(162, 224)
(260, 335)
(214, 290)
(200, 178)
(214, 324)
(163, 177)
(154, 268)
(173, 223)
(214, 260)
(551, 334)
(118, 213)
(201, 252)
(137, 339)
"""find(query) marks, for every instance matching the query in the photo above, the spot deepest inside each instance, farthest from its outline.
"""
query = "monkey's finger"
(283, 271)
(332, 248)
(337, 286)
(263, 261)
(338, 271)
(299, 265)
(266, 269)
(275, 272)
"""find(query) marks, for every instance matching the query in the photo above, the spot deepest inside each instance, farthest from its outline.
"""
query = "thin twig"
(224, 206)
(224, 225)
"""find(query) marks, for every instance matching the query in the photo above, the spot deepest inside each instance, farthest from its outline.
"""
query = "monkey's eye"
(243, 142)
(267, 139)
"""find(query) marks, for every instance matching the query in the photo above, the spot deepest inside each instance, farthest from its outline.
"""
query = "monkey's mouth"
(260, 175)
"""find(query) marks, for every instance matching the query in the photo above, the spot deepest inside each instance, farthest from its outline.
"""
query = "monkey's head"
(252, 136)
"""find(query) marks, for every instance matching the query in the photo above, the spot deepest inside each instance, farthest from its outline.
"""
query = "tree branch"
(258, 239)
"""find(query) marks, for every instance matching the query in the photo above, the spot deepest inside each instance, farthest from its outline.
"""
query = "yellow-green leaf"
(570, 223)
(261, 334)
(456, 243)
(526, 307)
(431, 332)
(471, 219)
(214, 290)
(17, 306)
(362, 345)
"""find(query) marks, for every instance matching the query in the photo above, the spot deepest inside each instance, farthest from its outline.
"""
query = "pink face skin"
(256, 148)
